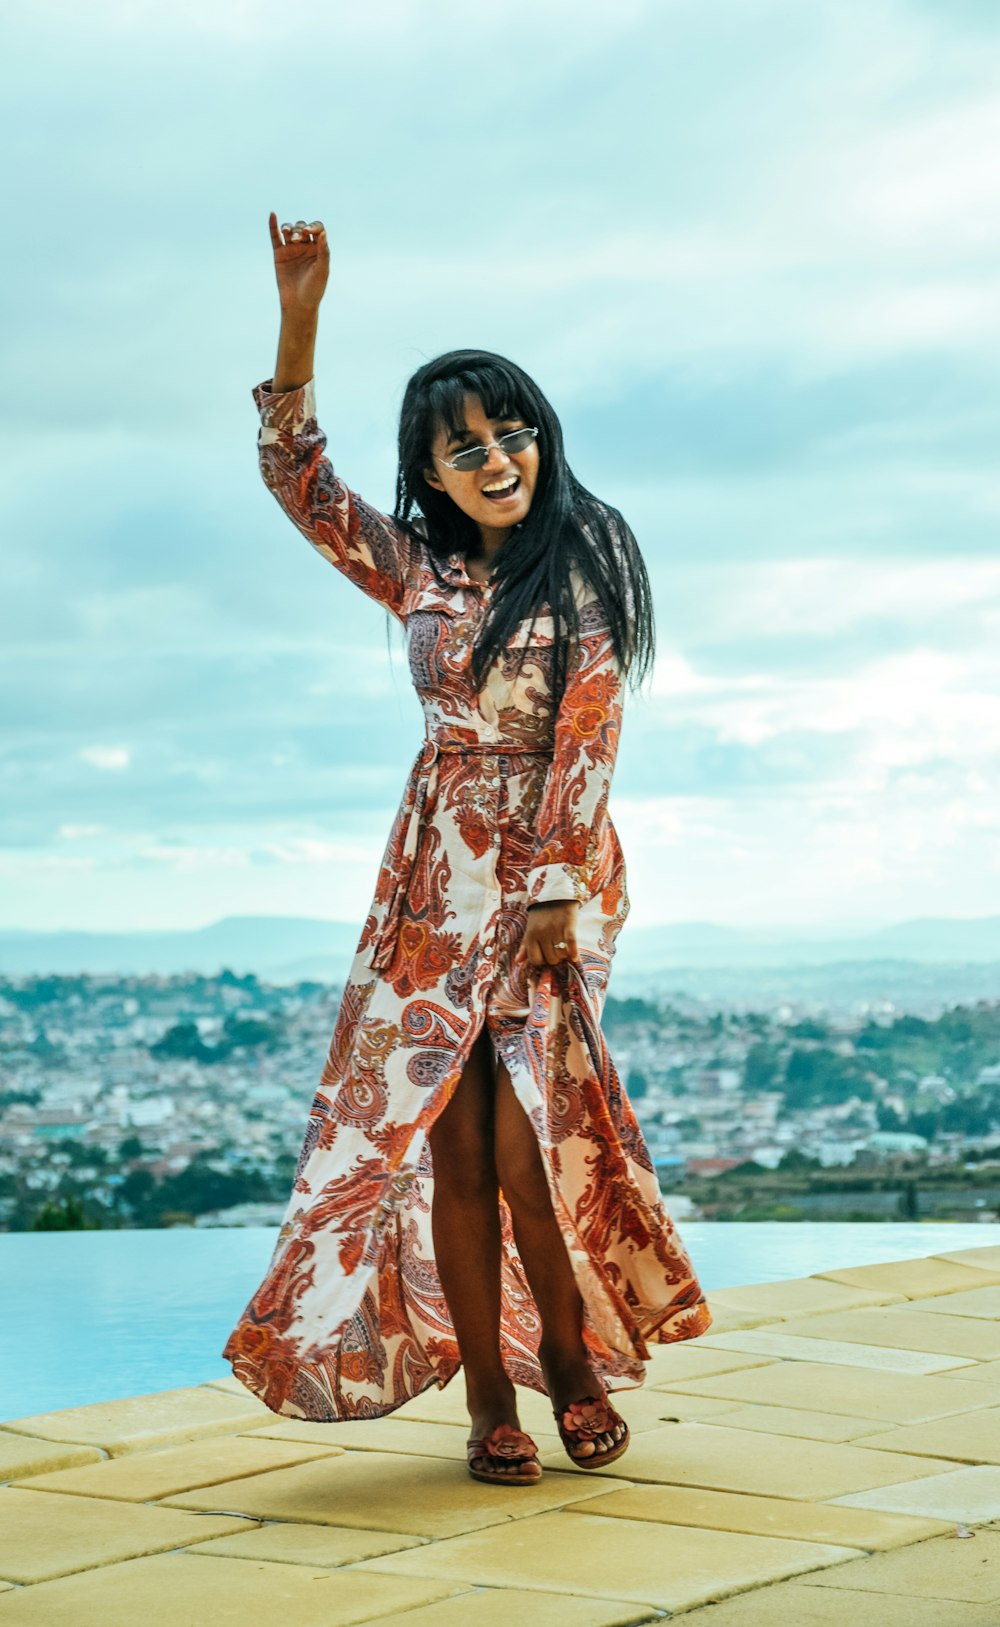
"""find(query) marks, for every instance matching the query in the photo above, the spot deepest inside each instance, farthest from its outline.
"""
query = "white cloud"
(906, 709)
(931, 181)
(111, 759)
(827, 596)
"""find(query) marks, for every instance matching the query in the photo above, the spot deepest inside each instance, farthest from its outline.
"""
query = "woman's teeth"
(501, 489)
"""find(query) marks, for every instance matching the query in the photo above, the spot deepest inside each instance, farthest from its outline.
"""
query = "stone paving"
(827, 1456)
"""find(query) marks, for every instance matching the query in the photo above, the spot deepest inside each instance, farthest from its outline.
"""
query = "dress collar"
(455, 572)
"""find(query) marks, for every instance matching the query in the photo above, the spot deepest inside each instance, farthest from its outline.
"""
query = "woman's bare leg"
(465, 1224)
(562, 1353)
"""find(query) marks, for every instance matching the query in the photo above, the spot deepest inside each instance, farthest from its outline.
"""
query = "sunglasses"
(474, 457)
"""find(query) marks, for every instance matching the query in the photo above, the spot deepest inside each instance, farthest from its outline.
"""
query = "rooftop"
(829, 1454)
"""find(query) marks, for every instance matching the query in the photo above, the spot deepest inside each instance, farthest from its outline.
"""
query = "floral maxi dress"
(505, 805)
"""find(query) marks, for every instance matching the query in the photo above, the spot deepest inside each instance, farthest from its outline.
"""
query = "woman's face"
(470, 489)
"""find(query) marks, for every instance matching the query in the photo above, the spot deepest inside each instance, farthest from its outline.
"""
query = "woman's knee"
(517, 1155)
(464, 1167)
(522, 1178)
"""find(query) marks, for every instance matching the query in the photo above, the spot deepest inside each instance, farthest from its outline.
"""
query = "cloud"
(110, 758)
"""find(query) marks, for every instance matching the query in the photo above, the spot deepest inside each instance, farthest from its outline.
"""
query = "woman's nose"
(497, 458)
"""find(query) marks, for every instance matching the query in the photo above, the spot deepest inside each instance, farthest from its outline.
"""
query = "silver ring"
(560, 946)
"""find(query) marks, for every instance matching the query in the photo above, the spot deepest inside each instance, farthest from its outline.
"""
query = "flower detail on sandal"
(504, 1445)
(586, 1421)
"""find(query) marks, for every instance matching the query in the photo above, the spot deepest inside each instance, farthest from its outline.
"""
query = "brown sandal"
(504, 1444)
(585, 1420)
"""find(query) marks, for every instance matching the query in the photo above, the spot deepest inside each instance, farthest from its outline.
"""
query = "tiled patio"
(828, 1456)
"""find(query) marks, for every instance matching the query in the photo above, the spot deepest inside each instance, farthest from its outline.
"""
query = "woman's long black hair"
(566, 527)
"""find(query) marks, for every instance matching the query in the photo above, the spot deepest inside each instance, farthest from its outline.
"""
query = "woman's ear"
(433, 479)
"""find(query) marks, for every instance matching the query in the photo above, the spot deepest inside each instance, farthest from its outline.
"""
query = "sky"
(750, 250)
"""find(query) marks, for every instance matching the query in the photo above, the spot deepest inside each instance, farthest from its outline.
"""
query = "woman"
(473, 1189)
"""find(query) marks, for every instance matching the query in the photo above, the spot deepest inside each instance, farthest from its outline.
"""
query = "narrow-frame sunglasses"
(474, 457)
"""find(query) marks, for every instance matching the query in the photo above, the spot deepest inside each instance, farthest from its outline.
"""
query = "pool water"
(96, 1316)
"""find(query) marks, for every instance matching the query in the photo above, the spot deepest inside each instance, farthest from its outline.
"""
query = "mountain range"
(283, 948)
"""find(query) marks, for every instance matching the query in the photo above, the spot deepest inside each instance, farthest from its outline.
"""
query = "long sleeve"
(571, 821)
(368, 547)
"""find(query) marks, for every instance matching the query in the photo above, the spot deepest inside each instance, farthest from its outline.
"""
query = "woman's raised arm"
(365, 545)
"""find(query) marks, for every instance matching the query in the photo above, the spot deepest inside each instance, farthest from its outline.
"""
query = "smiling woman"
(473, 1187)
(508, 490)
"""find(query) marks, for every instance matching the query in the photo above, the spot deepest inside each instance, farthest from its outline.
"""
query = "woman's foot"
(590, 1429)
(498, 1450)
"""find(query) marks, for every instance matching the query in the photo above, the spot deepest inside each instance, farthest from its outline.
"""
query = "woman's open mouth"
(502, 490)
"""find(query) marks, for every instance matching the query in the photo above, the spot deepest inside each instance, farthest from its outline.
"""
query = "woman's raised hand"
(301, 263)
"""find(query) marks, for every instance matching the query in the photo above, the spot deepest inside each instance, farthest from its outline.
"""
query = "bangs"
(496, 389)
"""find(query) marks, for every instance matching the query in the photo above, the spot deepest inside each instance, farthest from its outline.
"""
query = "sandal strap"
(588, 1416)
(504, 1444)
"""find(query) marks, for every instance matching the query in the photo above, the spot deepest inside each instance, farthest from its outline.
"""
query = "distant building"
(889, 1142)
(707, 1168)
(53, 1123)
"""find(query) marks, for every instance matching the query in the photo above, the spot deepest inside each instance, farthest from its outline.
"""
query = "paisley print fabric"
(505, 804)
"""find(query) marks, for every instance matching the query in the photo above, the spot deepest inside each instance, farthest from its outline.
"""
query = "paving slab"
(141, 1421)
(980, 1259)
(320, 1545)
(914, 1279)
(180, 1590)
(672, 1364)
(678, 1408)
(979, 1372)
(393, 1434)
(142, 1477)
(838, 1352)
(27, 1454)
(858, 1392)
(736, 1460)
(663, 1566)
(969, 1496)
(51, 1535)
(802, 1296)
(231, 1386)
(793, 1604)
(643, 1408)
(944, 1569)
(758, 1516)
(418, 1496)
(904, 1329)
(983, 1303)
(810, 1426)
(506, 1606)
(725, 1320)
(972, 1437)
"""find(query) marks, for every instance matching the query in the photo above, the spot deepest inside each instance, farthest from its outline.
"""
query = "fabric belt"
(478, 748)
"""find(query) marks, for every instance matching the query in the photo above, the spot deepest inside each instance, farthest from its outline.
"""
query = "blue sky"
(750, 250)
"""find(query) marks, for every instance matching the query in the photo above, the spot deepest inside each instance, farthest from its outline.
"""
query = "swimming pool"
(94, 1316)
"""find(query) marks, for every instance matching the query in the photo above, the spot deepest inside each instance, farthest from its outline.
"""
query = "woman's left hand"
(547, 926)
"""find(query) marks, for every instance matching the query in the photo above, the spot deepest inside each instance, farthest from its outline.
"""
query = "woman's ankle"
(563, 1357)
(489, 1393)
